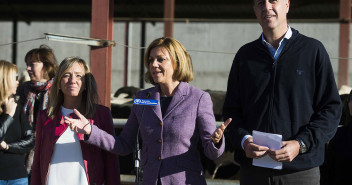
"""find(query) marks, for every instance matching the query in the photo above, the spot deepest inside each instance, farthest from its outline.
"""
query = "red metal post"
(169, 13)
(344, 42)
(100, 57)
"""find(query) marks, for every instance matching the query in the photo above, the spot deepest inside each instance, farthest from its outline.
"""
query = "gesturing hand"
(217, 135)
(80, 125)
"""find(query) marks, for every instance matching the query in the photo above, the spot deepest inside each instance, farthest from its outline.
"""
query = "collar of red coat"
(61, 126)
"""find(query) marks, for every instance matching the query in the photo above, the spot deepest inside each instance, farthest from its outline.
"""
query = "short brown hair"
(181, 60)
(45, 55)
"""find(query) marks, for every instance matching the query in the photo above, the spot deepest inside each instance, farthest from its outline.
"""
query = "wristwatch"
(303, 147)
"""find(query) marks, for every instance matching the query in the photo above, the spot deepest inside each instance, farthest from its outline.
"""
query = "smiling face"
(36, 71)
(72, 82)
(271, 14)
(160, 66)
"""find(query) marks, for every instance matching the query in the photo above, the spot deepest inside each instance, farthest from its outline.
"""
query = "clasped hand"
(287, 153)
(4, 146)
(10, 106)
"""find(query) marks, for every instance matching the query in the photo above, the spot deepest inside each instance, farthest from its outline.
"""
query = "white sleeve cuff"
(244, 138)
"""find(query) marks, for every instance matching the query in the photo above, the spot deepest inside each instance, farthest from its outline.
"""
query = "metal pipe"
(141, 74)
(344, 42)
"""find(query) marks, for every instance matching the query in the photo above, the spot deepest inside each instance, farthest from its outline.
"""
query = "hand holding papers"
(272, 141)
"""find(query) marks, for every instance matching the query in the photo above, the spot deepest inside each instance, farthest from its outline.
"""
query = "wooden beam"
(169, 13)
(100, 57)
(344, 42)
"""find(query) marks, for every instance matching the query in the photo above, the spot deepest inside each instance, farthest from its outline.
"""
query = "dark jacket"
(101, 166)
(338, 161)
(295, 97)
(17, 133)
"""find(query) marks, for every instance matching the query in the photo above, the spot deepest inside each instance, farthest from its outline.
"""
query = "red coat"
(101, 166)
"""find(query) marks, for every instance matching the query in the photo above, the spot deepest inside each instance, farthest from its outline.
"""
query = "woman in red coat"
(61, 157)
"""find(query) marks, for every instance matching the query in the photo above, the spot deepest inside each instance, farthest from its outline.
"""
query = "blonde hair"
(181, 60)
(89, 95)
(7, 70)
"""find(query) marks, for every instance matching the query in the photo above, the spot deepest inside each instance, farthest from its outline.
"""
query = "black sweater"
(17, 133)
(295, 97)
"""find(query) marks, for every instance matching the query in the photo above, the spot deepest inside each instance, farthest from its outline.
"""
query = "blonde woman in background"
(16, 136)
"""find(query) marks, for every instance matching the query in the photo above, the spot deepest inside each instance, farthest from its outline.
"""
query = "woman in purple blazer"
(170, 130)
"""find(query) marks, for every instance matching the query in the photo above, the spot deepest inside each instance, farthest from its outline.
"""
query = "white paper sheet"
(272, 141)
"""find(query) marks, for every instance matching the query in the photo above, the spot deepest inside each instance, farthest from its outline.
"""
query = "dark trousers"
(252, 175)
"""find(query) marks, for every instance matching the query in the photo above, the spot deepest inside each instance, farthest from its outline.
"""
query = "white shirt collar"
(288, 35)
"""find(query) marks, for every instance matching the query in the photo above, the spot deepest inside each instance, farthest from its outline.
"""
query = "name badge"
(145, 102)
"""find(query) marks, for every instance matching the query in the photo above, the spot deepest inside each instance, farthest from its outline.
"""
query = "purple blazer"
(169, 146)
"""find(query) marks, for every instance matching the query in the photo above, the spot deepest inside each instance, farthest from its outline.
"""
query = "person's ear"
(287, 3)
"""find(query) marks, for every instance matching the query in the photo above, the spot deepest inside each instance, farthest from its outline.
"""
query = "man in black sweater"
(281, 83)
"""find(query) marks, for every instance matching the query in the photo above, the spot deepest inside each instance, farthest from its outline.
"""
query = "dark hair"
(346, 118)
(45, 55)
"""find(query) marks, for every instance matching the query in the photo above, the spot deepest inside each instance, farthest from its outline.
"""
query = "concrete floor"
(129, 180)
